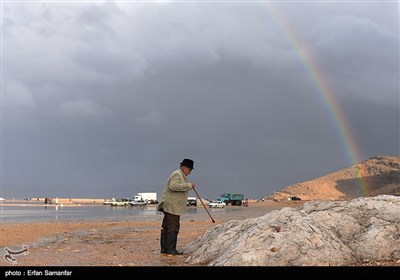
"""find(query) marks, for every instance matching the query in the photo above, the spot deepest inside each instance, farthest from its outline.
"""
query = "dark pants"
(170, 222)
(169, 233)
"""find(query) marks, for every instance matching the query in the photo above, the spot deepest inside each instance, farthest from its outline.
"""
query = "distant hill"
(377, 175)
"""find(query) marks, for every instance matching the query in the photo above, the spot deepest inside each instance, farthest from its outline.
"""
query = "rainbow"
(326, 95)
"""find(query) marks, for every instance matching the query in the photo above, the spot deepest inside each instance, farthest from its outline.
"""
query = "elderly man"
(173, 205)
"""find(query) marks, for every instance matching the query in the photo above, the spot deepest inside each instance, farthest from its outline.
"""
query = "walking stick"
(203, 205)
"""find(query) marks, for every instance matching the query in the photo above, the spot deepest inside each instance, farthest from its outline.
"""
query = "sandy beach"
(95, 243)
(108, 243)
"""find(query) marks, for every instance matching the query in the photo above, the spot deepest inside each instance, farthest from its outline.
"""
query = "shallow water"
(48, 213)
(28, 213)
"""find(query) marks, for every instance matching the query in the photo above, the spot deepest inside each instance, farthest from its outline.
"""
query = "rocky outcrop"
(375, 176)
(317, 233)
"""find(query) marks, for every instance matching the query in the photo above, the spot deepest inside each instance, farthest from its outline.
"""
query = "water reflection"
(191, 210)
(53, 210)
(101, 212)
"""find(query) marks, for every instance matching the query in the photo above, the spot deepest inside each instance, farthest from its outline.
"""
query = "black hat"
(188, 163)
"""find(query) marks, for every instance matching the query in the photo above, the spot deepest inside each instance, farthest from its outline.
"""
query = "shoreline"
(43, 213)
(99, 202)
(58, 201)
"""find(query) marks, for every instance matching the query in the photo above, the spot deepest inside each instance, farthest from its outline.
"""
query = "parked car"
(109, 201)
(217, 204)
(191, 201)
(137, 203)
(120, 202)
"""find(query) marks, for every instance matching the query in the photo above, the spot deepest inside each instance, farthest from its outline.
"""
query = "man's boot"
(172, 238)
(163, 241)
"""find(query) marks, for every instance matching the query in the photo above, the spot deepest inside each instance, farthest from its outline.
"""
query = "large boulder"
(317, 233)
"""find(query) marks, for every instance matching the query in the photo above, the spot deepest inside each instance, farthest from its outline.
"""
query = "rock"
(317, 233)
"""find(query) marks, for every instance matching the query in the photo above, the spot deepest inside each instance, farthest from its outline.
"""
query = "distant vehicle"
(231, 198)
(149, 197)
(137, 203)
(109, 201)
(121, 202)
(191, 201)
(217, 204)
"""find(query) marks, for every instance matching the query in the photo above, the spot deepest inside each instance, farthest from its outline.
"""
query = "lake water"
(48, 213)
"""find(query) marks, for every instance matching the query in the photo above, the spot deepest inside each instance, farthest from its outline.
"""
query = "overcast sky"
(105, 99)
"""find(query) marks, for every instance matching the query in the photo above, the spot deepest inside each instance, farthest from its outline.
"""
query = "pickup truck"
(137, 203)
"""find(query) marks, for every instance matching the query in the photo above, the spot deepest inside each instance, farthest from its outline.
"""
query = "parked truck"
(235, 199)
(149, 197)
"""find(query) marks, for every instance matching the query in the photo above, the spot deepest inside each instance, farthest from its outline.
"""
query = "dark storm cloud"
(105, 99)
